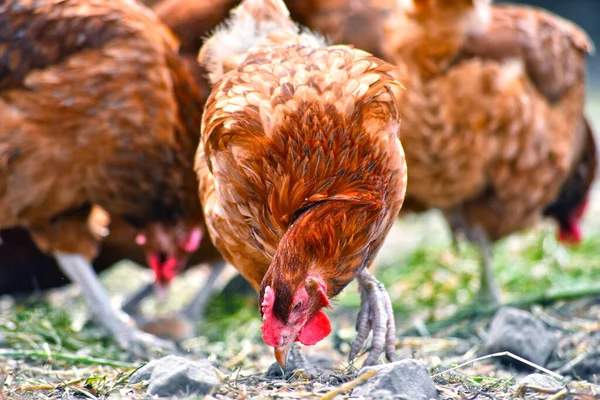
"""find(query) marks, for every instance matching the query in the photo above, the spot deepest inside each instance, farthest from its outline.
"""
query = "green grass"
(435, 277)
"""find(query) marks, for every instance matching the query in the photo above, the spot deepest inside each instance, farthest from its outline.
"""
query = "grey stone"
(175, 375)
(382, 394)
(402, 379)
(541, 381)
(520, 333)
(144, 373)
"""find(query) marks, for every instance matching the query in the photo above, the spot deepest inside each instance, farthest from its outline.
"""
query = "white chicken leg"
(79, 271)
(375, 315)
(489, 291)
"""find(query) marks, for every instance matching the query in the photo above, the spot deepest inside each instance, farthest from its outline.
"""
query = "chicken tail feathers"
(571, 203)
(252, 24)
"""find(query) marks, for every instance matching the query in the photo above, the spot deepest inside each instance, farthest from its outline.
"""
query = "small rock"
(382, 394)
(173, 375)
(541, 381)
(144, 373)
(402, 379)
(520, 333)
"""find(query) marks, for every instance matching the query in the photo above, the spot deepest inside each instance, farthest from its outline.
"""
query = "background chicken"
(492, 121)
(301, 172)
(25, 268)
(91, 96)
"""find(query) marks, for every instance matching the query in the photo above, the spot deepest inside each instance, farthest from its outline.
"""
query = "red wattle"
(572, 235)
(164, 272)
(315, 330)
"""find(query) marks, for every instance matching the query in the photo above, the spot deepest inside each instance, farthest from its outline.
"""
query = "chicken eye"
(297, 306)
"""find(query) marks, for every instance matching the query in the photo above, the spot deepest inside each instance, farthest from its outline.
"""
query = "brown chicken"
(301, 172)
(26, 268)
(492, 117)
(92, 97)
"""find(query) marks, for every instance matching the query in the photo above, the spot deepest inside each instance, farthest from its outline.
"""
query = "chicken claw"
(143, 345)
(138, 343)
(375, 315)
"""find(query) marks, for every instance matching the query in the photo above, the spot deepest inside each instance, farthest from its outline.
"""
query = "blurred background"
(586, 13)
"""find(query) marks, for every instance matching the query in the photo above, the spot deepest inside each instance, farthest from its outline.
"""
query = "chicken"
(95, 108)
(492, 116)
(301, 172)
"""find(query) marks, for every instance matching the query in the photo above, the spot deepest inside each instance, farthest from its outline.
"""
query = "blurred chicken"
(99, 118)
(301, 172)
(27, 269)
(492, 117)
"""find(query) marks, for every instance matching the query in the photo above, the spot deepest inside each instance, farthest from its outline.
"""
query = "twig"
(238, 358)
(568, 367)
(524, 388)
(65, 357)
(550, 296)
(559, 394)
(47, 386)
(503, 354)
(349, 385)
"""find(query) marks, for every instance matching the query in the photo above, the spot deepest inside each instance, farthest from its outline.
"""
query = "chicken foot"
(140, 344)
(375, 315)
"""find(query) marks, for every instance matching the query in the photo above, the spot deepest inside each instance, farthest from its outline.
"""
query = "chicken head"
(294, 316)
(168, 248)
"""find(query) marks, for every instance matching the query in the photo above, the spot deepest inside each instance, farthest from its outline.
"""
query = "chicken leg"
(375, 315)
(140, 344)
(489, 291)
(195, 309)
(132, 304)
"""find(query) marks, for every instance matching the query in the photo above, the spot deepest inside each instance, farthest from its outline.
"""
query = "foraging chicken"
(492, 117)
(301, 172)
(95, 108)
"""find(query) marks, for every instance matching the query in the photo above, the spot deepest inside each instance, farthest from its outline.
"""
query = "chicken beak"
(281, 353)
